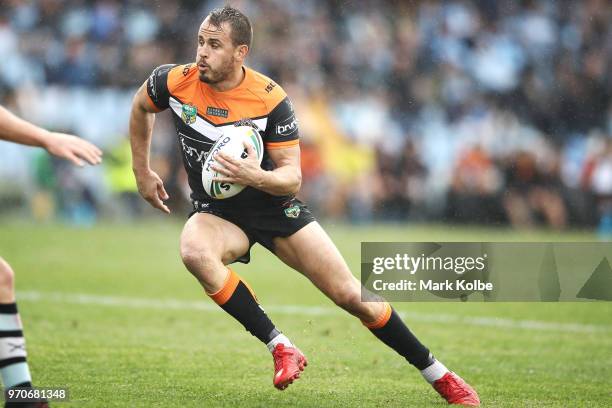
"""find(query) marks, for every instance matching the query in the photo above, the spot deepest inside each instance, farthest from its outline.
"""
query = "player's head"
(224, 39)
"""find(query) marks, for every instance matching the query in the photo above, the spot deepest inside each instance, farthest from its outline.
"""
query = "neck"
(231, 82)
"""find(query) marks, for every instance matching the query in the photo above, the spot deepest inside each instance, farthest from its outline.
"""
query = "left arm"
(285, 179)
(281, 141)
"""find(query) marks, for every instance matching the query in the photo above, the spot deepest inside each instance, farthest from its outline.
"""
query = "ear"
(241, 52)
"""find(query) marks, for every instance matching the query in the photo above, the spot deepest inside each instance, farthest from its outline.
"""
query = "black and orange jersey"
(201, 113)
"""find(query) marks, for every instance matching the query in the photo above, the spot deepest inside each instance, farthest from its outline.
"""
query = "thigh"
(209, 233)
(311, 252)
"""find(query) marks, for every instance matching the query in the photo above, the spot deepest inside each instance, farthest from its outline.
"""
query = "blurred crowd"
(495, 111)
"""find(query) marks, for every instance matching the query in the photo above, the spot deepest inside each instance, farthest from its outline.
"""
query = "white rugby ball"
(231, 144)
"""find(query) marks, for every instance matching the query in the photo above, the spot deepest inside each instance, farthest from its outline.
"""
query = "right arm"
(142, 118)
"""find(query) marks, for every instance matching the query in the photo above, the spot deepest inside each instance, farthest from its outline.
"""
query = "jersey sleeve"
(157, 87)
(282, 127)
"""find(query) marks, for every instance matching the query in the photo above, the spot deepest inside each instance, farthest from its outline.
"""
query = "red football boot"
(456, 391)
(288, 364)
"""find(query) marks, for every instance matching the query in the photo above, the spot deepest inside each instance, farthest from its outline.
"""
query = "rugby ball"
(231, 144)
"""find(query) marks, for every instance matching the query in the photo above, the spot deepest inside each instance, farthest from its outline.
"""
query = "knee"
(199, 259)
(348, 297)
(7, 276)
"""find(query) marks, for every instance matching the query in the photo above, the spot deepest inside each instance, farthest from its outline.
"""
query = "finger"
(159, 204)
(87, 155)
(69, 155)
(90, 147)
(249, 148)
(82, 144)
(161, 191)
(232, 167)
(95, 149)
(164, 208)
(227, 158)
(94, 153)
(222, 170)
(225, 179)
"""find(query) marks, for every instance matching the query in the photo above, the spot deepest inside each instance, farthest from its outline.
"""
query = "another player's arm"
(142, 119)
(69, 147)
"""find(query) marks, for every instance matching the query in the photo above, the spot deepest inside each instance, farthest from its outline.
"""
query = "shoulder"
(166, 80)
(172, 75)
(180, 75)
(265, 89)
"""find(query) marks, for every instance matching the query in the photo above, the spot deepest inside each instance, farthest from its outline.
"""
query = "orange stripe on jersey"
(255, 97)
(155, 108)
(282, 145)
(227, 290)
(382, 319)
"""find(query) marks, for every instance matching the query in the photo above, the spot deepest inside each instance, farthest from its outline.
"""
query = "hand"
(72, 148)
(151, 188)
(246, 172)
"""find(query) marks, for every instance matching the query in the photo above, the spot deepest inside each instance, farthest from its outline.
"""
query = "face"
(217, 57)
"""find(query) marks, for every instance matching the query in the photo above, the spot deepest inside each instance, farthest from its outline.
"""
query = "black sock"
(395, 334)
(236, 298)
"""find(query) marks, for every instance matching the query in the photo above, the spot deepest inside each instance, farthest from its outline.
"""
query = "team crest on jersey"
(293, 211)
(189, 114)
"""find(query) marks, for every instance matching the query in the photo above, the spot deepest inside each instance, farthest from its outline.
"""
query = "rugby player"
(217, 91)
(13, 365)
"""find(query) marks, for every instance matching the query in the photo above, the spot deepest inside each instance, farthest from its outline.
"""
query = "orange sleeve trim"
(282, 145)
(227, 290)
(155, 108)
(382, 319)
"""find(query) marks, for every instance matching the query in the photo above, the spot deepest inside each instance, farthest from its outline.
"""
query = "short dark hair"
(242, 33)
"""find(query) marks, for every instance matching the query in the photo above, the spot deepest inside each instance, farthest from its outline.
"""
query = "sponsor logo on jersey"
(287, 127)
(212, 111)
(153, 91)
(197, 205)
(293, 211)
(186, 69)
(192, 152)
(270, 87)
(189, 114)
(246, 122)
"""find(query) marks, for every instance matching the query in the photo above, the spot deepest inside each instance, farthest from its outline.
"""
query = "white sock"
(434, 372)
(280, 338)
(15, 368)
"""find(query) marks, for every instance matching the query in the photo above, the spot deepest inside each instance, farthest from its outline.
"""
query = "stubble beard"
(216, 76)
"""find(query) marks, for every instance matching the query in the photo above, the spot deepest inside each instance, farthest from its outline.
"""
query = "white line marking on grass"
(176, 304)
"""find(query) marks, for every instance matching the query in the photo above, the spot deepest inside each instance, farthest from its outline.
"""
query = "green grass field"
(111, 314)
